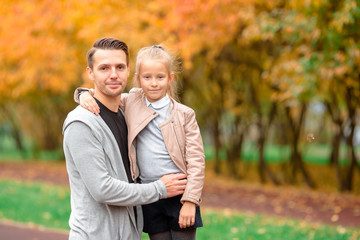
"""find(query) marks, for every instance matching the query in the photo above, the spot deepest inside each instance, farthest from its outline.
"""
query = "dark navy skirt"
(163, 215)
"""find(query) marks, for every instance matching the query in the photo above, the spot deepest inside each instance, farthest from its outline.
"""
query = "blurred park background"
(275, 84)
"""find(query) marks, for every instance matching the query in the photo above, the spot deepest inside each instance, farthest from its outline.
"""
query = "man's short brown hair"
(107, 44)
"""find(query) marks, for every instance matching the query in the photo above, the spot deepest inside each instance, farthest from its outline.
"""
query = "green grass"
(49, 206)
(41, 204)
(247, 226)
(15, 155)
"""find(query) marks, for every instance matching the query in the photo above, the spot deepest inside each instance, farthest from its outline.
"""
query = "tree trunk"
(350, 171)
(299, 163)
(216, 140)
(296, 158)
(334, 156)
(335, 153)
(262, 164)
(15, 131)
(349, 141)
(263, 168)
(233, 154)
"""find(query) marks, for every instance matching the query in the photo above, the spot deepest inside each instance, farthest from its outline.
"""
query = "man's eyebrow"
(109, 64)
(103, 64)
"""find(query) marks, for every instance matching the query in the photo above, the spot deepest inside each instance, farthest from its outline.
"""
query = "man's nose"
(113, 73)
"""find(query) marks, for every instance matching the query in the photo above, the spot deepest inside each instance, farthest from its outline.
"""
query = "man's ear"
(90, 73)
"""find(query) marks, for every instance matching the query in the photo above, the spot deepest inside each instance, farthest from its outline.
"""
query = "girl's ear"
(90, 73)
(171, 77)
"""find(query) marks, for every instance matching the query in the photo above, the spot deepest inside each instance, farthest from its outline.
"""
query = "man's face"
(109, 73)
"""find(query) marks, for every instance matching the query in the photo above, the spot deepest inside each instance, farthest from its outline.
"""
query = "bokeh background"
(275, 84)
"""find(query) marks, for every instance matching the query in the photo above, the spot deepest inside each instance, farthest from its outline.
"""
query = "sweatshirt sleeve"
(86, 155)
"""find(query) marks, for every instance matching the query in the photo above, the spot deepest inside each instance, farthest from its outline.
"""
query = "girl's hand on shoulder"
(89, 103)
(187, 215)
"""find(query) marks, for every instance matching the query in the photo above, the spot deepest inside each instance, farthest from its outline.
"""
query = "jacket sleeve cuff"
(190, 199)
(78, 92)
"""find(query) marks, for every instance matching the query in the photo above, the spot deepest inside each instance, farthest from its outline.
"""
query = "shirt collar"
(160, 103)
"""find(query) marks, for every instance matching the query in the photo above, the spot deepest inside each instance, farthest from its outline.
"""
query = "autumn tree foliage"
(251, 70)
(319, 60)
(38, 65)
(334, 62)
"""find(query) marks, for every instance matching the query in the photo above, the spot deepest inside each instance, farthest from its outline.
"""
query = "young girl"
(163, 137)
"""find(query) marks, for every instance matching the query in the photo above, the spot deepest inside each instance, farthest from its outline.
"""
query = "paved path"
(16, 231)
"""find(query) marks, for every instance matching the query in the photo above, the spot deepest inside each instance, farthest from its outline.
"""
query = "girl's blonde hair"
(159, 53)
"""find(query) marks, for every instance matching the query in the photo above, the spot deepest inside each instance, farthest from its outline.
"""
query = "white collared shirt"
(153, 158)
(162, 107)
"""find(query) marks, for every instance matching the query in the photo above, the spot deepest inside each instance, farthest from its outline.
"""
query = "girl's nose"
(153, 82)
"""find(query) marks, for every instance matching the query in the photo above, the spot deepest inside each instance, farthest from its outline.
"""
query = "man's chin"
(114, 93)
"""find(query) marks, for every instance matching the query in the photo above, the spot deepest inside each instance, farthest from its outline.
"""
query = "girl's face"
(154, 78)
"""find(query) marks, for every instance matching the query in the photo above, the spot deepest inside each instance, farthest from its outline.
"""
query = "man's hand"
(88, 102)
(187, 215)
(175, 184)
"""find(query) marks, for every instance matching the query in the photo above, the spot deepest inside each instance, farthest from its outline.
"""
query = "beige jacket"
(181, 135)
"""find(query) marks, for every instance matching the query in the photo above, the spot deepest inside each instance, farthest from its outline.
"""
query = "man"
(102, 193)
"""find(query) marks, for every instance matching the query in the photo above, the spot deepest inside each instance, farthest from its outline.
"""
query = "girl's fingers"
(91, 105)
(95, 106)
(93, 110)
(184, 223)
